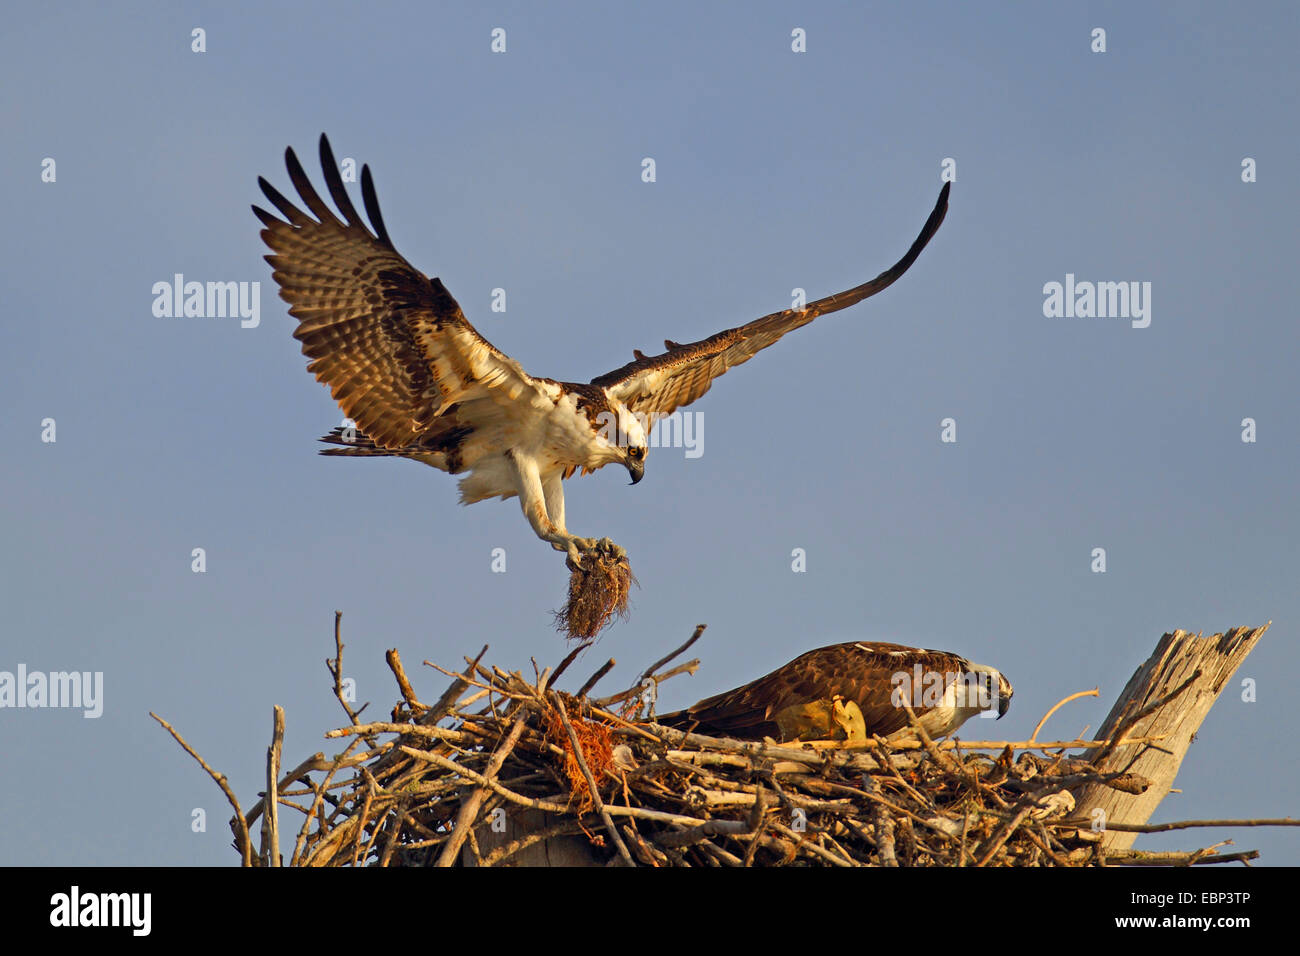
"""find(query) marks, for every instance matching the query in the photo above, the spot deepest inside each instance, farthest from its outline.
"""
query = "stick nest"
(503, 770)
(598, 590)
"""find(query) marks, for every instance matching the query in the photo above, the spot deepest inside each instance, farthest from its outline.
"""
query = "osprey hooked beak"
(635, 463)
(1004, 696)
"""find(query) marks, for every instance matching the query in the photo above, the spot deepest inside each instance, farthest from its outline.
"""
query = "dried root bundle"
(598, 590)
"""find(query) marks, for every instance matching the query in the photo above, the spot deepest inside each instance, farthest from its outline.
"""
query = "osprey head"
(620, 437)
(632, 442)
(1001, 690)
(636, 462)
(990, 690)
(1004, 696)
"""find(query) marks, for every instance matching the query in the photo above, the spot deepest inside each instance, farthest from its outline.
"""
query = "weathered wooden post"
(1156, 702)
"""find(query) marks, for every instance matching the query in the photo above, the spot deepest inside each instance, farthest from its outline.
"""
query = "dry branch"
(271, 819)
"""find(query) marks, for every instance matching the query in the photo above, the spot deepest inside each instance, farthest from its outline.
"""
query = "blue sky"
(522, 171)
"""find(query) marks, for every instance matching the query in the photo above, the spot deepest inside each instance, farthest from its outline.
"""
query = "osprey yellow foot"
(579, 548)
(576, 548)
(611, 549)
(848, 717)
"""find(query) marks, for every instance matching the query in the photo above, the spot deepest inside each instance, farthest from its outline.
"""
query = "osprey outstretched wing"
(654, 386)
(404, 363)
(798, 701)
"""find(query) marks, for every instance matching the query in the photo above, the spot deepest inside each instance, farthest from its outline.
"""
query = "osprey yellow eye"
(636, 452)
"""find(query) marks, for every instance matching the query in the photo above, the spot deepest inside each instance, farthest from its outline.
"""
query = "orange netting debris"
(597, 744)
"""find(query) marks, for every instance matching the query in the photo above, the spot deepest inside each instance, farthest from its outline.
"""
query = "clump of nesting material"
(598, 590)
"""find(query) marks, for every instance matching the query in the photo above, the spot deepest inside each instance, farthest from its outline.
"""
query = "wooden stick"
(238, 825)
(271, 822)
(705, 829)
(403, 684)
(649, 671)
(1197, 858)
(335, 667)
(414, 730)
(955, 742)
(1188, 824)
(689, 667)
(568, 659)
(1095, 692)
(595, 678)
(1125, 782)
(884, 825)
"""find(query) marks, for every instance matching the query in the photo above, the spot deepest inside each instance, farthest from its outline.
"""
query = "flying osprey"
(810, 697)
(406, 366)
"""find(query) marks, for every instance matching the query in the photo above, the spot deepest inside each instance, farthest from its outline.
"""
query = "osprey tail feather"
(357, 444)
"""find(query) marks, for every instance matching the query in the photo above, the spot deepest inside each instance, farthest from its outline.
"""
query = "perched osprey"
(810, 697)
(403, 362)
